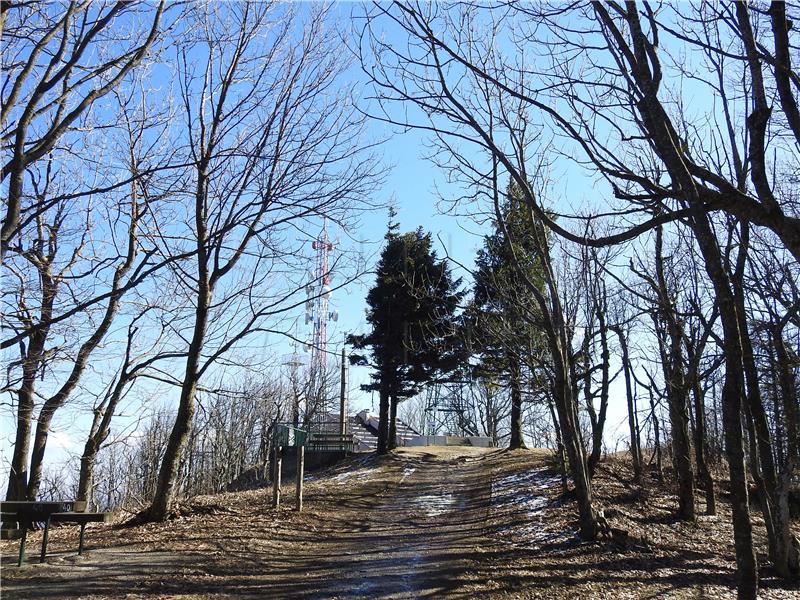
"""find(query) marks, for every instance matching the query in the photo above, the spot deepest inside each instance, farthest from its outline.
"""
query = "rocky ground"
(420, 523)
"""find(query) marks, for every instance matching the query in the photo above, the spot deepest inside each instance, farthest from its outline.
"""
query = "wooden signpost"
(288, 436)
(276, 477)
(301, 454)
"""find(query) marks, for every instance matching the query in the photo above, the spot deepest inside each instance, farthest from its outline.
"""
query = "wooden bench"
(25, 514)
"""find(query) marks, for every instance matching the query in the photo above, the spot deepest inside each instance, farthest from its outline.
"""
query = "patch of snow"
(521, 490)
(529, 493)
(537, 535)
(539, 479)
(406, 473)
(434, 505)
(341, 477)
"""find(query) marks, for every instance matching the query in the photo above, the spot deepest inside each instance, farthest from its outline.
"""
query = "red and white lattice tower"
(319, 295)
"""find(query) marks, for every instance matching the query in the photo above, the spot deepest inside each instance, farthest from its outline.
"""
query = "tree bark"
(783, 553)
(700, 446)
(733, 396)
(670, 337)
(383, 417)
(636, 449)
(599, 424)
(560, 451)
(568, 419)
(32, 359)
(517, 438)
(173, 455)
(392, 441)
(656, 436)
(89, 457)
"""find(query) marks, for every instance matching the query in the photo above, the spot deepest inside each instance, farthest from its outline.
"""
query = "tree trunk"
(39, 445)
(18, 475)
(170, 465)
(565, 400)
(774, 483)
(86, 475)
(787, 383)
(383, 418)
(681, 447)
(517, 438)
(562, 459)
(600, 423)
(98, 432)
(32, 358)
(765, 471)
(636, 449)
(392, 422)
(671, 342)
(747, 567)
(656, 436)
(176, 444)
(733, 394)
(700, 447)
(570, 431)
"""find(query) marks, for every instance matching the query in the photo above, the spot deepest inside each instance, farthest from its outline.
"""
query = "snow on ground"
(530, 494)
(407, 472)
(361, 473)
(433, 505)
(528, 491)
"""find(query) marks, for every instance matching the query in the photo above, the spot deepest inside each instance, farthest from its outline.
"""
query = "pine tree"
(412, 314)
(503, 315)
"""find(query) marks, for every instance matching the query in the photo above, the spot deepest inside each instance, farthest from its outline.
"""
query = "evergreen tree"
(502, 318)
(412, 314)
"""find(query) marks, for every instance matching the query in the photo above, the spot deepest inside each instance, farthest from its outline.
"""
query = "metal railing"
(331, 442)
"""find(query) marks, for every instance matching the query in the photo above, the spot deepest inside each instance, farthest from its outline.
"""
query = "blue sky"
(414, 185)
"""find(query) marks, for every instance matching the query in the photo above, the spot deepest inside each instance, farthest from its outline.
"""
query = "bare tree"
(70, 253)
(669, 333)
(58, 60)
(595, 75)
(136, 362)
(273, 142)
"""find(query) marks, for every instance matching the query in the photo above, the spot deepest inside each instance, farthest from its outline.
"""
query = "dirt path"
(410, 526)
(422, 540)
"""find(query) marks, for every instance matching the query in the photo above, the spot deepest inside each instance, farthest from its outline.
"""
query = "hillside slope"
(428, 522)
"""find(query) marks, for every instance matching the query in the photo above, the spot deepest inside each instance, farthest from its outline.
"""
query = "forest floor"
(419, 523)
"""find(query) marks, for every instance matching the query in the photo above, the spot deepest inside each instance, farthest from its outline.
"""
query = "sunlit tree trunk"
(517, 439)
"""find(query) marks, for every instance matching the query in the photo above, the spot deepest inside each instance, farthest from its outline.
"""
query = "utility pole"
(343, 397)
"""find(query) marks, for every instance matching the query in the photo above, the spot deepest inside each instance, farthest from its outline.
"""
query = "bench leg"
(22, 541)
(44, 539)
(80, 539)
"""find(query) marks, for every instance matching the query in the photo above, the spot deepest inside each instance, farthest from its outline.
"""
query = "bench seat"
(79, 517)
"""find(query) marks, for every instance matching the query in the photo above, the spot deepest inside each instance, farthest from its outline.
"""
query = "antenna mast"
(319, 295)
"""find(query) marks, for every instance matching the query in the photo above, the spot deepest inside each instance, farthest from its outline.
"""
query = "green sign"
(287, 435)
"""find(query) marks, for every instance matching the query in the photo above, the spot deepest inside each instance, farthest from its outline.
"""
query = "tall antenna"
(319, 295)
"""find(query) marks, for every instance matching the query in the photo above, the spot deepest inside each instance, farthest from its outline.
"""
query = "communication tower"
(319, 294)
